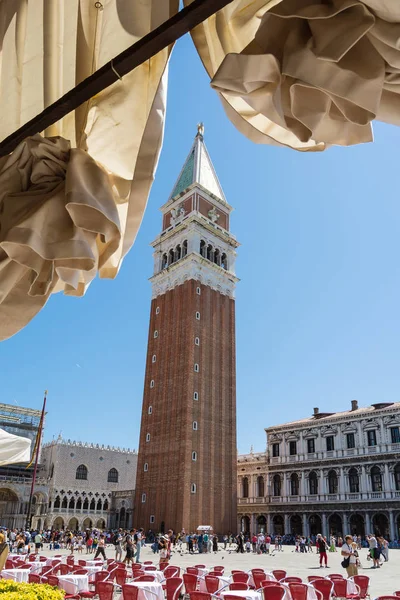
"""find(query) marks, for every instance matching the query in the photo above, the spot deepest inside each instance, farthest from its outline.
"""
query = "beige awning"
(13, 448)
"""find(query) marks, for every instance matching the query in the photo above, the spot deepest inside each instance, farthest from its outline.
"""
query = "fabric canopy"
(72, 200)
(13, 448)
(305, 73)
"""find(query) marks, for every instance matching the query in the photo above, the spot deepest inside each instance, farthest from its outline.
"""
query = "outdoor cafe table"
(148, 590)
(94, 569)
(94, 563)
(203, 572)
(73, 584)
(267, 576)
(251, 594)
(16, 574)
(223, 581)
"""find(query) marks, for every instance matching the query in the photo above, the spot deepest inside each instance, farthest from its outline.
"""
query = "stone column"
(268, 523)
(324, 525)
(342, 483)
(253, 524)
(302, 485)
(367, 524)
(305, 525)
(386, 481)
(286, 525)
(345, 525)
(363, 481)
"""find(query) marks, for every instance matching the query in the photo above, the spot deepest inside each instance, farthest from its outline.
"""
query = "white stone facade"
(82, 478)
(331, 473)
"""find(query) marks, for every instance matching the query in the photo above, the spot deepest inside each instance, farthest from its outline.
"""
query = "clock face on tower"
(187, 452)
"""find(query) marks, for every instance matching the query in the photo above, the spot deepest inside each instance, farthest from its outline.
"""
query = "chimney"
(316, 411)
(354, 404)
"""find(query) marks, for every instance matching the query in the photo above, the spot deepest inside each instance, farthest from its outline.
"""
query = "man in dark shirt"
(322, 547)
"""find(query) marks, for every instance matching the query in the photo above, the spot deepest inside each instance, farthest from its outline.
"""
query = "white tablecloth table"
(19, 575)
(36, 566)
(92, 570)
(223, 581)
(73, 584)
(50, 561)
(251, 594)
(148, 590)
(94, 563)
(203, 572)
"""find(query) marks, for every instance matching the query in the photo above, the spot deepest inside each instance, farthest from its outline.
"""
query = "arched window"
(99, 505)
(194, 455)
(170, 257)
(64, 502)
(245, 483)
(184, 248)
(210, 252)
(294, 484)
(332, 482)
(276, 482)
(224, 261)
(217, 257)
(193, 488)
(105, 505)
(81, 472)
(396, 473)
(57, 502)
(79, 504)
(313, 483)
(178, 252)
(71, 503)
(93, 504)
(354, 483)
(86, 504)
(203, 248)
(376, 479)
(164, 263)
(112, 476)
(260, 486)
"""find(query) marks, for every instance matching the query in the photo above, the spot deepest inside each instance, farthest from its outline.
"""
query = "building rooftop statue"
(62, 442)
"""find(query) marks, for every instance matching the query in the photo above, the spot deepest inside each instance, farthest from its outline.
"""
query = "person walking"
(101, 547)
(349, 561)
(118, 545)
(322, 548)
(374, 551)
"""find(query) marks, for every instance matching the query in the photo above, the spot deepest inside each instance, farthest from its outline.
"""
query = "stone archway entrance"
(73, 524)
(101, 524)
(8, 507)
(87, 524)
(58, 523)
(296, 526)
(380, 523)
(357, 525)
(277, 523)
(245, 524)
(315, 524)
(335, 525)
(261, 524)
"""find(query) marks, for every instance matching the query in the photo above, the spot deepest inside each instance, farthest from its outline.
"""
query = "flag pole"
(35, 456)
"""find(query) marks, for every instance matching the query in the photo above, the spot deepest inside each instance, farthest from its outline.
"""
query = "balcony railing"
(345, 497)
(334, 454)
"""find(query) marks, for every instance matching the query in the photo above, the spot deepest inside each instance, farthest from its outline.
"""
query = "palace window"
(276, 482)
(194, 425)
(81, 472)
(396, 473)
(275, 450)
(150, 410)
(156, 334)
(112, 476)
(196, 396)
(313, 483)
(152, 518)
(146, 467)
(193, 488)
(354, 482)
(196, 367)
(332, 482)
(376, 479)
(351, 440)
(157, 310)
(292, 448)
(311, 446)
(260, 486)
(57, 502)
(197, 341)
(198, 316)
(147, 437)
(371, 437)
(194, 456)
(143, 498)
(154, 358)
(245, 487)
(198, 291)
(152, 383)
(330, 443)
(395, 435)
(294, 484)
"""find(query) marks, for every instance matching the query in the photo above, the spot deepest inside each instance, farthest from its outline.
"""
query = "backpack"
(116, 539)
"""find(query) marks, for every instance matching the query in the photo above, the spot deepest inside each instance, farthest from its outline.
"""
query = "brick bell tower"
(186, 473)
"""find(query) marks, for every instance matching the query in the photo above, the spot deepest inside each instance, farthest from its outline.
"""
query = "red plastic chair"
(312, 578)
(32, 578)
(292, 580)
(340, 589)
(32, 557)
(362, 581)
(173, 588)
(268, 583)
(238, 586)
(258, 578)
(172, 571)
(80, 571)
(64, 569)
(105, 590)
(162, 566)
(82, 563)
(150, 568)
(200, 566)
(240, 577)
(279, 574)
(148, 562)
(200, 596)
(219, 569)
(397, 593)
(333, 576)
(190, 582)
(273, 592)
(298, 591)
(192, 570)
(120, 576)
(325, 587)
(386, 598)
(212, 584)
(99, 577)
(130, 592)
(145, 578)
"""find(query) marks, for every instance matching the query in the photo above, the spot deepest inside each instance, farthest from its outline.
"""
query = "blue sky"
(317, 305)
